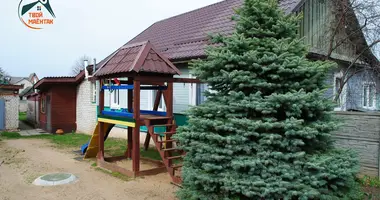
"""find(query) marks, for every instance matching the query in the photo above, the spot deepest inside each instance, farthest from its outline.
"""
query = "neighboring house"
(9, 103)
(28, 83)
(57, 102)
(184, 37)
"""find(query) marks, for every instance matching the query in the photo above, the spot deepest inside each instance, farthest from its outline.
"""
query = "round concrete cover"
(55, 179)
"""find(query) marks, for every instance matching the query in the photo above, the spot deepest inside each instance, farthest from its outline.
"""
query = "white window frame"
(193, 92)
(369, 84)
(342, 98)
(115, 104)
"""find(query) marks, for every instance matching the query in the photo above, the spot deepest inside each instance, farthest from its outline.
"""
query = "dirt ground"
(22, 161)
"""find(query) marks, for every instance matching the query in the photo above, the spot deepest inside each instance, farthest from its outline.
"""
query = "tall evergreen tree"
(264, 130)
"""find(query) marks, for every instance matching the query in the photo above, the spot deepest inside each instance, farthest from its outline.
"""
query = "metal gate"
(2, 114)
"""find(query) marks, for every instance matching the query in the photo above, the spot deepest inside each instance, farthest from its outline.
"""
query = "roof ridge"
(172, 17)
(204, 7)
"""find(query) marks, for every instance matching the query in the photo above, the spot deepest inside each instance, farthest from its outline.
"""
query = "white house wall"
(86, 108)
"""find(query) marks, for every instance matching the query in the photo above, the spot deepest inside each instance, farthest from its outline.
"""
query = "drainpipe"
(35, 103)
(93, 71)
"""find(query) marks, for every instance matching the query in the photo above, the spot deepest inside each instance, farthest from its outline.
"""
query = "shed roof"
(136, 58)
(185, 36)
(47, 81)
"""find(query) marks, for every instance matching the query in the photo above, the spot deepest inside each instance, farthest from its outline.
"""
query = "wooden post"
(155, 108)
(136, 129)
(130, 129)
(101, 125)
(169, 113)
(169, 103)
(101, 97)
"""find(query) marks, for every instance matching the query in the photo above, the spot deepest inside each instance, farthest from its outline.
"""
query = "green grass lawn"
(22, 116)
(112, 146)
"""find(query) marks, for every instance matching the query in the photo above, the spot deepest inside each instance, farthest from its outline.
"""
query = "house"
(184, 37)
(57, 102)
(9, 104)
(28, 83)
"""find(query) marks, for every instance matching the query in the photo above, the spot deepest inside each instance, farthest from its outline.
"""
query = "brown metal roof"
(138, 57)
(186, 36)
(11, 87)
(60, 80)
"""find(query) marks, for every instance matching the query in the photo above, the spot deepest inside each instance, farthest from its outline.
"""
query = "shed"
(57, 102)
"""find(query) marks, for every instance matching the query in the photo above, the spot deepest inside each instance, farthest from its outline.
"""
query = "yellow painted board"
(111, 121)
(93, 147)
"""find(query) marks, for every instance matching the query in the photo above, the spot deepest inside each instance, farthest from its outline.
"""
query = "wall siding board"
(181, 92)
(361, 132)
(63, 109)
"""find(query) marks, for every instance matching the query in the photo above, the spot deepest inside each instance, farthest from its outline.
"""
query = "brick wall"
(11, 111)
(86, 108)
(361, 132)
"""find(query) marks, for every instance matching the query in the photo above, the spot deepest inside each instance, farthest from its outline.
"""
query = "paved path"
(27, 130)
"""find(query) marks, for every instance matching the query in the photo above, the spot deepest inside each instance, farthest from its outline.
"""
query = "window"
(115, 99)
(43, 104)
(200, 97)
(338, 84)
(369, 95)
(161, 106)
(93, 92)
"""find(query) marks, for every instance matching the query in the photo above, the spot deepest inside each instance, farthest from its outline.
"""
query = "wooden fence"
(361, 132)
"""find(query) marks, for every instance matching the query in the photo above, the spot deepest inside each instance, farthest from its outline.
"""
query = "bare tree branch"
(78, 65)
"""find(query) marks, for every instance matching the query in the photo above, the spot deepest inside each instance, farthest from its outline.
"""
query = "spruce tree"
(264, 131)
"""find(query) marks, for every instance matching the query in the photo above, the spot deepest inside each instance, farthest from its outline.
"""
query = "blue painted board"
(130, 87)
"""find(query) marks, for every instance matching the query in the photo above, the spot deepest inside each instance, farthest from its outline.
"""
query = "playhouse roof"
(186, 36)
(136, 58)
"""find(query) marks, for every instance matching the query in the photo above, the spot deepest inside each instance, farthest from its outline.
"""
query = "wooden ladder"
(170, 154)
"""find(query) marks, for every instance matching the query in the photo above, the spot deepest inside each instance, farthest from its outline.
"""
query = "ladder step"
(170, 133)
(163, 125)
(177, 166)
(166, 141)
(172, 149)
(174, 157)
(166, 133)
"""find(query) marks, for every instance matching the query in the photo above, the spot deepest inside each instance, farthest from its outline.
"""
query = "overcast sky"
(87, 27)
